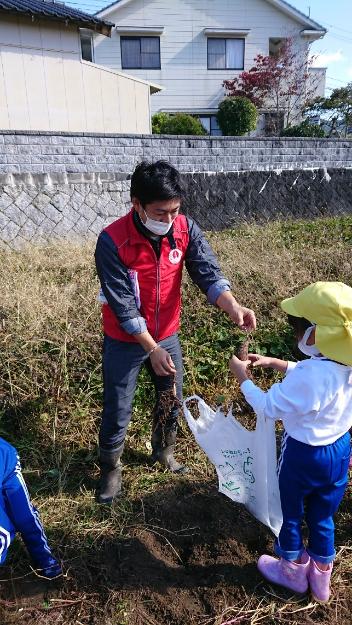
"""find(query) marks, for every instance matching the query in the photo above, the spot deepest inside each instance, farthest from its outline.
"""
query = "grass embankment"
(51, 393)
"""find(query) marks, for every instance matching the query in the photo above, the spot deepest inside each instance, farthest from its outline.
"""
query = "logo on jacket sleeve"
(175, 256)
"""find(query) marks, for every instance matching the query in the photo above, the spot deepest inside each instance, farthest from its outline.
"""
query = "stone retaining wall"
(74, 153)
(65, 185)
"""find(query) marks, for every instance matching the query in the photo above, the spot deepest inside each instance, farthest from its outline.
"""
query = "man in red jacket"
(139, 261)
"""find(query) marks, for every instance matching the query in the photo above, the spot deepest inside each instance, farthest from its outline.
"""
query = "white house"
(45, 84)
(191, 46)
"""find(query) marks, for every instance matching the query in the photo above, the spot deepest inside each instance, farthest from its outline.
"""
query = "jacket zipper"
(157, 299)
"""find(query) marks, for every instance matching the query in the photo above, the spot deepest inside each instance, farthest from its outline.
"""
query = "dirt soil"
(191, 554)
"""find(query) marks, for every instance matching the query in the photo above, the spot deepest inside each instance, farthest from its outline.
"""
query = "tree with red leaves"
(279, 82)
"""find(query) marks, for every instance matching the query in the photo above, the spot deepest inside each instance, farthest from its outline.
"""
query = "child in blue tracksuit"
(314, 402)
(17, 514)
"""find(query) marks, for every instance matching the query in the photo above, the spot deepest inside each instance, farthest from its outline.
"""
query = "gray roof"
(56, 11)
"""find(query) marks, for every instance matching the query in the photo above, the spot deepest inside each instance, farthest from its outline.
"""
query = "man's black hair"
(154, 182)
(299, 325)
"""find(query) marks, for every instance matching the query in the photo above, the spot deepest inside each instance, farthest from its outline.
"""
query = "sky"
(334, 51)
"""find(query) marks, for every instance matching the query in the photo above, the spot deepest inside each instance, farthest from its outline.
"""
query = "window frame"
(86, 36)
(226, 39)
(139, 38)
(210, 117)
(278, 42)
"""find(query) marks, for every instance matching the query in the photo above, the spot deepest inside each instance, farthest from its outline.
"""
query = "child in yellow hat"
(314, 402)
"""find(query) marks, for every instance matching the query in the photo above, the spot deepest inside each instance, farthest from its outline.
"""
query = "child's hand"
(257, 360)
(239, 368)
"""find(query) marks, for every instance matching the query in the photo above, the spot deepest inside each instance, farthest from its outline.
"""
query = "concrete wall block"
(28, 231)
(61, 140)
(35, 215)
(52, 213)
(18, 159)
(15, 139)
(86, 160)
(38, 169)
(10, 148)
(4, 220)
(36, 140)
(61, 229)
(82, 140)
(10, 232)
(9, 169)
(95, 228)
(13, 189)
(60, 200)
(103, 200)
(87, 212)
(77, 199)
(91, 199)
(5, 200)
(115, 195)
(104, 140)
(81, 226)
(51, 149)
(23, 200)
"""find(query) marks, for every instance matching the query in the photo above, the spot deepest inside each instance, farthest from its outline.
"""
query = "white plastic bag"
(245, 460)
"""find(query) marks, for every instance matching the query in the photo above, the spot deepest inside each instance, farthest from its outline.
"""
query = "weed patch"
(170, 550)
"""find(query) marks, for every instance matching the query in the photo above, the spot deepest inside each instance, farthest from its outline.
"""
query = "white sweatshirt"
(314, 400)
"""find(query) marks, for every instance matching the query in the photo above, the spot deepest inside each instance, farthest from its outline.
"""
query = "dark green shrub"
(304, 129)
(237, 116)
(158, 120)
(178, 124)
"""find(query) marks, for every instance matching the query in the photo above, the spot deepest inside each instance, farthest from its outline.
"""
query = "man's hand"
(239, 368)
(243, 317)
(162, 362)
(160, 359)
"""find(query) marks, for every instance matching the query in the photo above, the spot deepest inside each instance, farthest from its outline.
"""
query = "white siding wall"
(317, 81)
(44, 85)
(184, 74)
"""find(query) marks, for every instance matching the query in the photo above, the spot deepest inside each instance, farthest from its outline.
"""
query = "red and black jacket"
(141, 275)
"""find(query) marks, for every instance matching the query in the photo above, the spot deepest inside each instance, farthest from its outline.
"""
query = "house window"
(275, 45)
(87, 47)
(140, 52)
(210, 124)
(225, 53)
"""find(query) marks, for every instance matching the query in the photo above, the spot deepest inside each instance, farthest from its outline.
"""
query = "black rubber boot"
(163, 445)
(109, 485)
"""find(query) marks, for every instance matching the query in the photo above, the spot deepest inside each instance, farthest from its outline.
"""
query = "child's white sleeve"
(294, 396)
(255, 396)
(290, 366)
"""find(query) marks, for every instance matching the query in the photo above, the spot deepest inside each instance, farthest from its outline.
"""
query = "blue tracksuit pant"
(17, 513)
(312, 482)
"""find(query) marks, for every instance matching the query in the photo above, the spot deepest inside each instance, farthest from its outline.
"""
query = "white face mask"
(156, 227)
(308, 350)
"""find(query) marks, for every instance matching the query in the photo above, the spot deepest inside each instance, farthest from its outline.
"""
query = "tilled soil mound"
(189, 560)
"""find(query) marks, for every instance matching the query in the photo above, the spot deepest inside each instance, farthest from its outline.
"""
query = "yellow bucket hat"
(329, 306)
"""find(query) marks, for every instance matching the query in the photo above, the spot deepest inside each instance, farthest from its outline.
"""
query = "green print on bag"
(241, 463)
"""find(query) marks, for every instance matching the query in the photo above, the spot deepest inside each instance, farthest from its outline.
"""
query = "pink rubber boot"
(285, 573)
(319, 581)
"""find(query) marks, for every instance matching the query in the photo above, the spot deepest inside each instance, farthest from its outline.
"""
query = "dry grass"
(51, 392)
